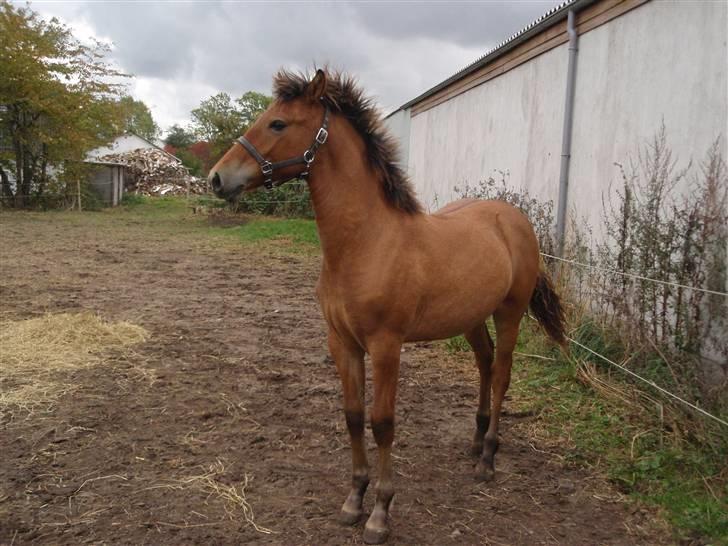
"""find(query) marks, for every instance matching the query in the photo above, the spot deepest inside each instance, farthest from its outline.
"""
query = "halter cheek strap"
(268, 167)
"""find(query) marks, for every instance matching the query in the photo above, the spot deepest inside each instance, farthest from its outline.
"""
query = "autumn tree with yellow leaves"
(59, 98)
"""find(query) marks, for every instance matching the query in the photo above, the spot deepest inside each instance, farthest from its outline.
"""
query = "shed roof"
(547, 20)
(107, 163)
(157, 146)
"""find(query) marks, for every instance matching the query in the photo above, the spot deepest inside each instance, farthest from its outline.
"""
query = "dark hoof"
(484, 473)
(350, 518)
(374, 535)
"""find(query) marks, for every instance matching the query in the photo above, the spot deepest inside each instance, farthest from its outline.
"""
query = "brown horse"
(392, 273)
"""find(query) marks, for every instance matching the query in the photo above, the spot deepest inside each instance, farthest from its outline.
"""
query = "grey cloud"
(464, 23)
(236, 46)
(228, 42)
(151, 39)
(397, 49)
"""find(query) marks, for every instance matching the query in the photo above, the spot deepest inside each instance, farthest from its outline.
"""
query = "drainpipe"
(566, 139)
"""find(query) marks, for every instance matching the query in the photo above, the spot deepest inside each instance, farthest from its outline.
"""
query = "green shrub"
(290, 200)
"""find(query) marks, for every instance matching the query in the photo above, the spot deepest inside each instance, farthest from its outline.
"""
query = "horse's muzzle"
(216, 184)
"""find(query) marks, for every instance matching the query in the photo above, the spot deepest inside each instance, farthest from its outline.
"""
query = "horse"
(390, 272)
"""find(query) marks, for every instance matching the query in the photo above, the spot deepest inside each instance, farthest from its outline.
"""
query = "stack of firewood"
(154, 172)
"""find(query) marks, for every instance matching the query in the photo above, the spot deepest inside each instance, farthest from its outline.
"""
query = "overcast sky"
(183, 52)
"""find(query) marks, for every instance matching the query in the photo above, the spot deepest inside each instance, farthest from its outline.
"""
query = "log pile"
(154, 172)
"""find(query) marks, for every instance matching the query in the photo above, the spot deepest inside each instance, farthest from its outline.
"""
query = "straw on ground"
(37, 355)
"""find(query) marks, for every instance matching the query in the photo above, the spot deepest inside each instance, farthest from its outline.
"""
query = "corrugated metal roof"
(547, 20)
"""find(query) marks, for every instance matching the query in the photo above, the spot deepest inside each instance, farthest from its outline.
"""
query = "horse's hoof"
(484, 474)
(350, 518)
(375, 535)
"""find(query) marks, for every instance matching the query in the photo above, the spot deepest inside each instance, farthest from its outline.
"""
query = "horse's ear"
(317, 87)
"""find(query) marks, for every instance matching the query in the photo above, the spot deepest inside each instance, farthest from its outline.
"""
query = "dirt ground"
(234, 386)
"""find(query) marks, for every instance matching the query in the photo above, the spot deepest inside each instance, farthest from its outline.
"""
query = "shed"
(106, 179)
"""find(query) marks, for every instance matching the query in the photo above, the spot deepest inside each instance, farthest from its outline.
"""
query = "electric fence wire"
(635, 276)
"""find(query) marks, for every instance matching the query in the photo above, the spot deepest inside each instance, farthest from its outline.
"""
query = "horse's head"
(279, 146)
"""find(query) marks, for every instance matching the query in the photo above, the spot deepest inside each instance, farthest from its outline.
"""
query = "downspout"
(566, 139)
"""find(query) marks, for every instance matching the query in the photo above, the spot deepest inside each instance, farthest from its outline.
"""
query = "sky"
(181, 52)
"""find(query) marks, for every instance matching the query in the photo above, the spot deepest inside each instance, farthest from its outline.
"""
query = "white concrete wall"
(398, 124)
(511, 123)
(662, 60)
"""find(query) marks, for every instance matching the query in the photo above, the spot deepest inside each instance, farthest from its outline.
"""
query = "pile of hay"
(36, 355)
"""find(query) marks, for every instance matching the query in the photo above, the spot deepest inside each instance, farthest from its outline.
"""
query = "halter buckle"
(322, 135)
(308, 157)
(266, 168)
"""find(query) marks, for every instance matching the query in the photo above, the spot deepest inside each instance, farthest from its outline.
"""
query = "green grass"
(174, 217)
(294, 235)
(676, 468)
(296, 232)
(151, 206)
(683, 475)
(457, 344)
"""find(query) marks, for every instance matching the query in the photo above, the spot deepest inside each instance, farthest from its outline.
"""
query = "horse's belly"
(452, 314)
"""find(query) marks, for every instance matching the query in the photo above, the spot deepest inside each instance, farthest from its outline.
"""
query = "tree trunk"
(43, 174)
(19, 171)
(7, 191)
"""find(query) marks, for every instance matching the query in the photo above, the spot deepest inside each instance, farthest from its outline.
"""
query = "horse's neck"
(347, 197)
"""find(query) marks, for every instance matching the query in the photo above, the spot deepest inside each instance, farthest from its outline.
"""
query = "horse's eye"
(277, 125)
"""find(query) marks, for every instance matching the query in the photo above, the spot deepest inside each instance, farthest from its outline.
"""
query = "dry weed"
(37, 354)
(233, 496)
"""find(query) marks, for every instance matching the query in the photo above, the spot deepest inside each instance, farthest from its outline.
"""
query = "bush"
(290, 200)
(657, 234)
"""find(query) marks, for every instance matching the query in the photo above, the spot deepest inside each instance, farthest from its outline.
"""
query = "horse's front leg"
(349, 360)
(385, 365)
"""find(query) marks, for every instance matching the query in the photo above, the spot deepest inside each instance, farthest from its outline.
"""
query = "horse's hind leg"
(350, 364)
(482, 345)
(507, 321)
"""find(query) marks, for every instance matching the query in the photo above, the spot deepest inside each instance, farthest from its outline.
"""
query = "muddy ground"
(234, 384)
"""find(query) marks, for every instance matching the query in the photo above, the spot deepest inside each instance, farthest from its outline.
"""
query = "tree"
(191, 161)
(219, 119)
(251, 105)
(216, 118)
(179, 137)
(59, 99)
(138, 119)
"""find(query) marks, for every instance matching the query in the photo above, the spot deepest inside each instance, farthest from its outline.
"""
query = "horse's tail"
(546, 307)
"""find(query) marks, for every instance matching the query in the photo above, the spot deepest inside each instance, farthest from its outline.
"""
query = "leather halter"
(268, 167)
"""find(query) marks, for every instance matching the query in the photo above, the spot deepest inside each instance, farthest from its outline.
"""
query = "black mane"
(344, 97)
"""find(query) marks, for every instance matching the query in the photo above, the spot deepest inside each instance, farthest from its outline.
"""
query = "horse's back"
(500, 215)
(456, 205)
(503, 221)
